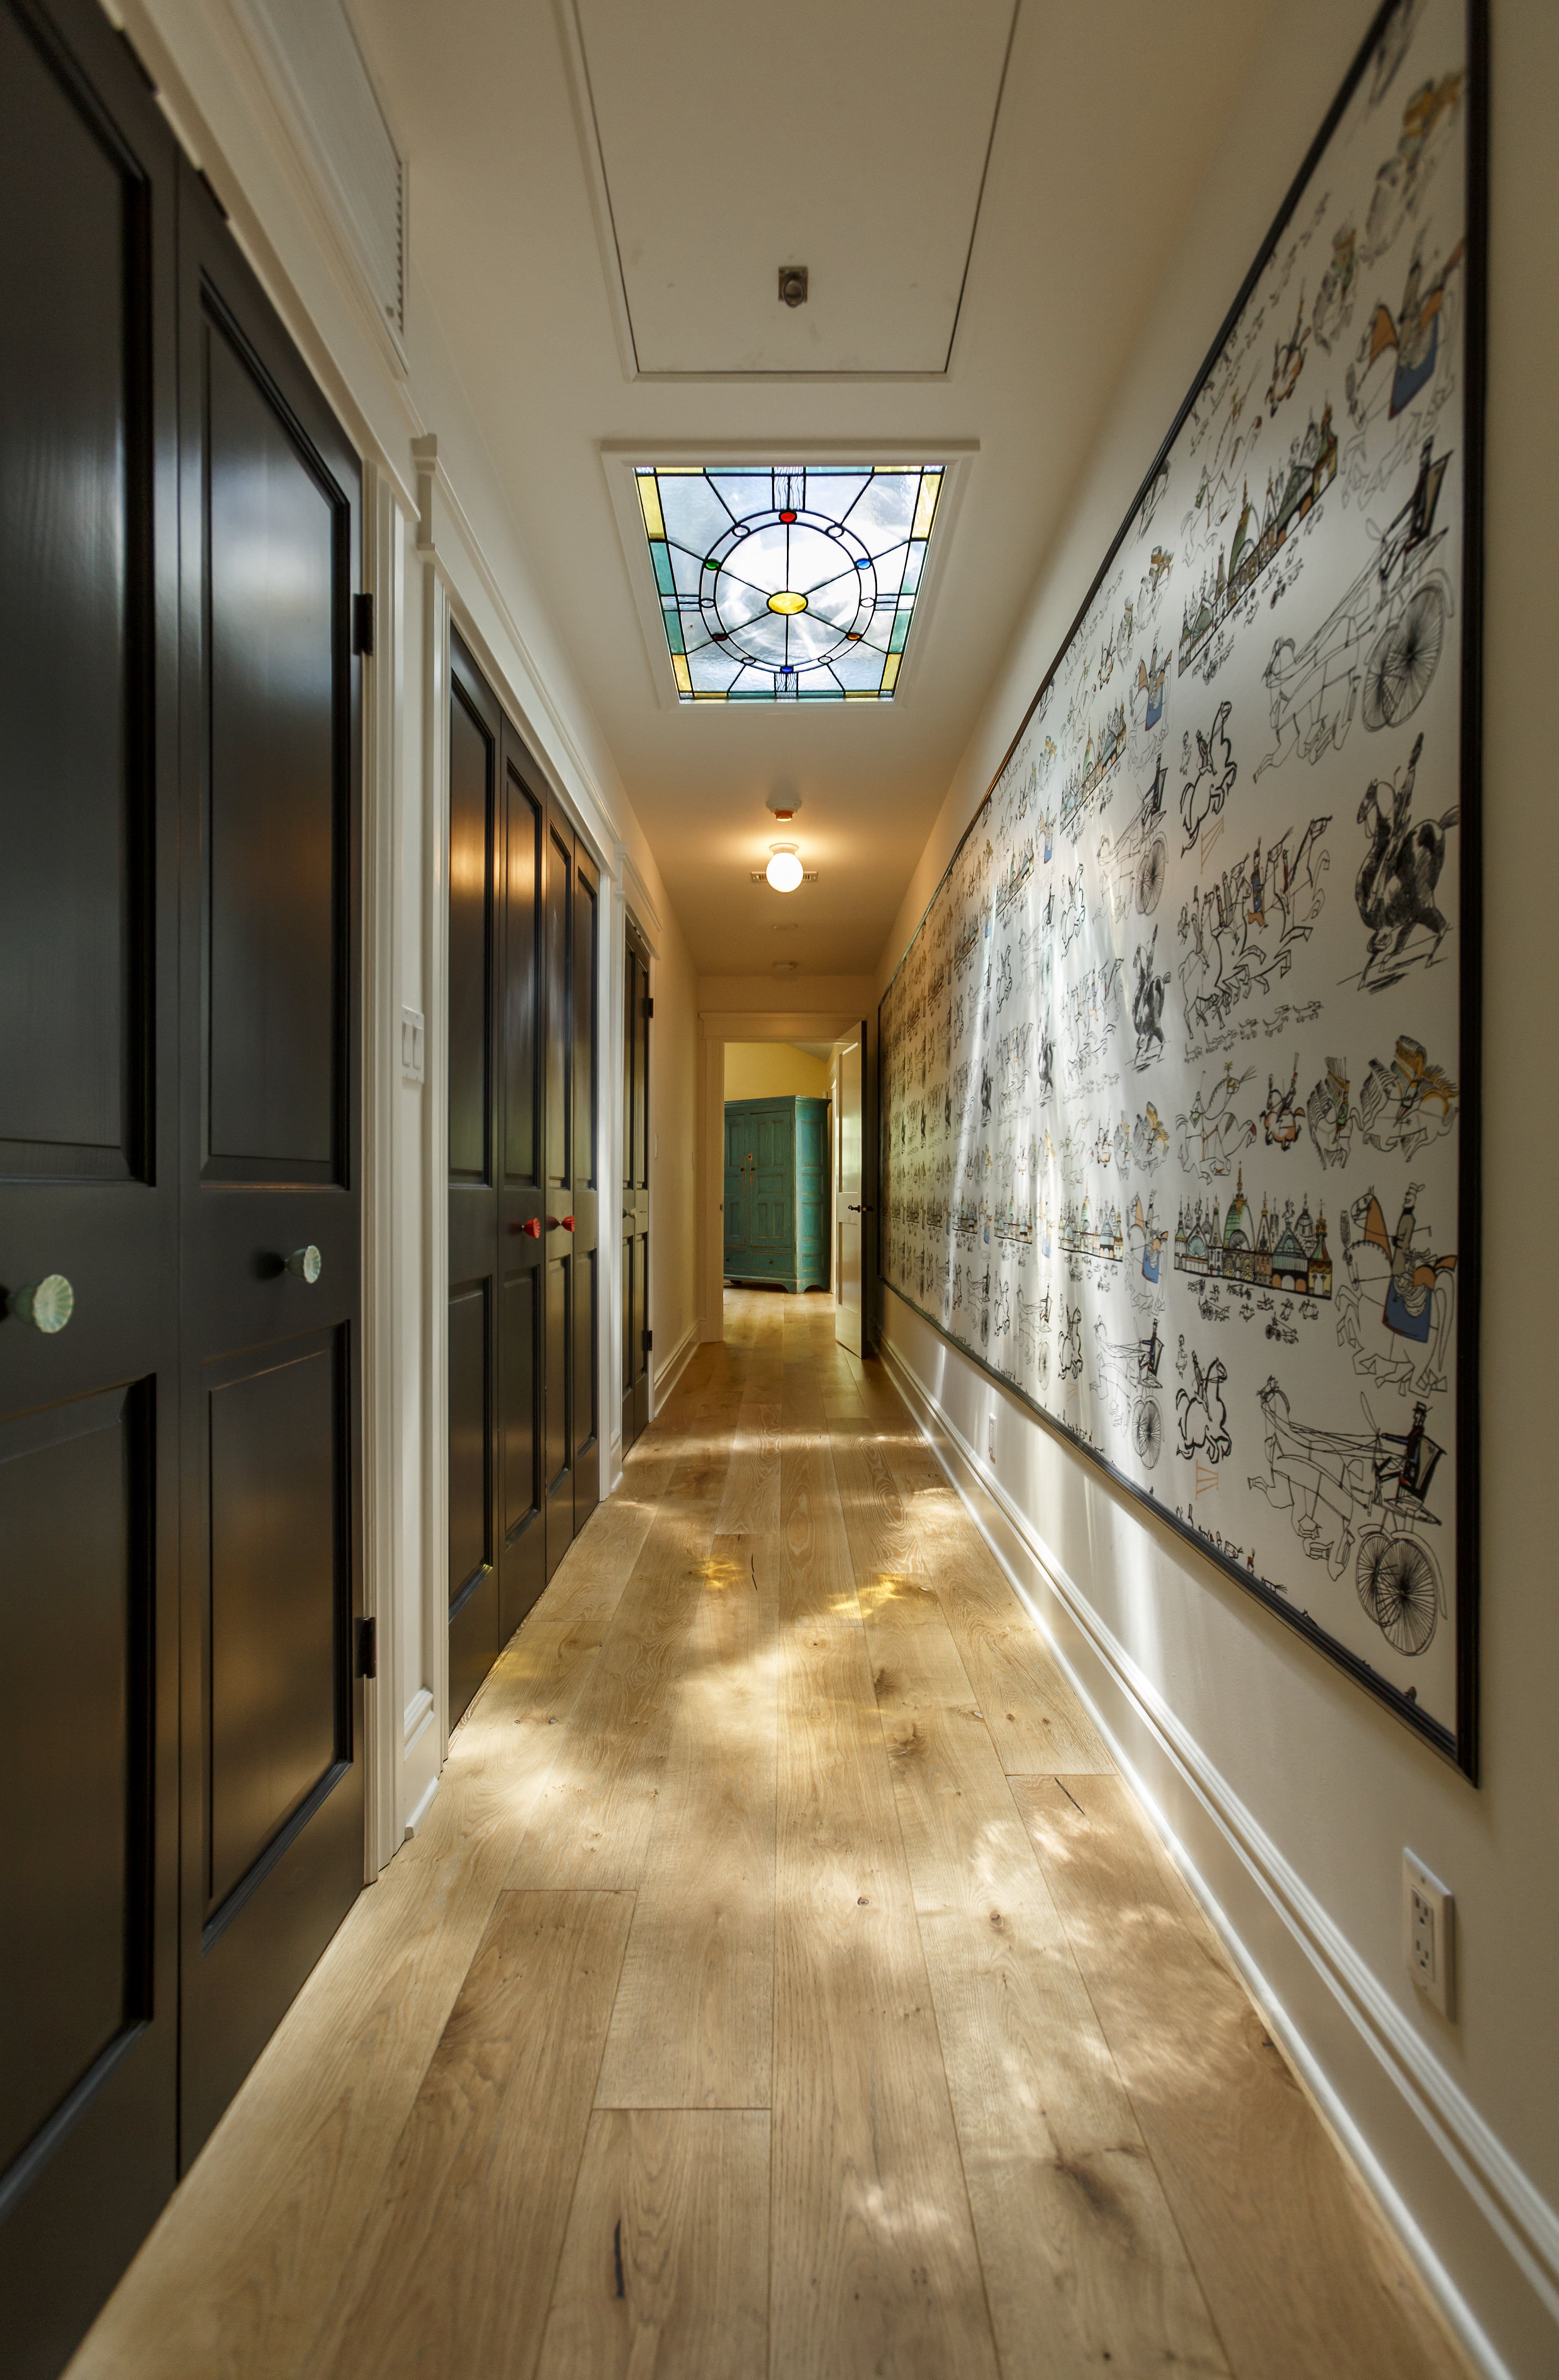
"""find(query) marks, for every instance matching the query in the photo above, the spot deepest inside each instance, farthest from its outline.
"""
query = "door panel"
(88, 1064)
(271, 858)
(275, 1681)
(273, 1786)
(77, 1871)
(636, 1185)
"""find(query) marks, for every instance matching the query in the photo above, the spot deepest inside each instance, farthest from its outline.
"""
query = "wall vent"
(311, 60)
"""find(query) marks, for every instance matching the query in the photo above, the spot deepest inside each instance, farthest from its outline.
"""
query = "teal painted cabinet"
(777, 1191)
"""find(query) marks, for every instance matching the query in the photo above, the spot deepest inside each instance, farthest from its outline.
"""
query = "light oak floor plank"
(589, 1827)
(1302, 2277)
(1084, 2267)
(1036, 1721)
(693, 2023)
(873, 2257)
(470, 2223)
(665, 2266)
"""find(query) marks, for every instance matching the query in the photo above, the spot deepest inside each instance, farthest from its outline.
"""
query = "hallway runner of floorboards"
(783, 1980)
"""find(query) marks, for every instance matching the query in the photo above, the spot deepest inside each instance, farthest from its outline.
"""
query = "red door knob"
(532, 1228)
(568, 1223)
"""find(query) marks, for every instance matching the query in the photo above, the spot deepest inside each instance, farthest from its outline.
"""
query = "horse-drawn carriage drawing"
(1126, 1378)
(1361, 1495)
(1382, 640)
(1132, 869)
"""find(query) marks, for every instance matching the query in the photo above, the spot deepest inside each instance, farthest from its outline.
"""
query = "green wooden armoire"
(777, 1191)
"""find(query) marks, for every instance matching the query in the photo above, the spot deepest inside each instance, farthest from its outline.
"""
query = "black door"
(497, 862)
(475, 761)
(88, 1179)
(636, 1185)
(523, 1365)
(272, 1842)
(572, 949)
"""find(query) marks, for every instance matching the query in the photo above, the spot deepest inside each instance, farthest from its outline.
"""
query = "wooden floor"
(782, 1981)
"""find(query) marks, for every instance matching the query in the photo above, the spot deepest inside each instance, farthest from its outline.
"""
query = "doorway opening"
(784, 1140)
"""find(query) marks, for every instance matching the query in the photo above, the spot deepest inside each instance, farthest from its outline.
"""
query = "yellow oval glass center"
(787, 602)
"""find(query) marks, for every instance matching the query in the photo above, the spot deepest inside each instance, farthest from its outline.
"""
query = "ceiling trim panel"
(587, 129)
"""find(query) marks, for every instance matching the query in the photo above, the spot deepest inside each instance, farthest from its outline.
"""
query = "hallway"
(782, 1978)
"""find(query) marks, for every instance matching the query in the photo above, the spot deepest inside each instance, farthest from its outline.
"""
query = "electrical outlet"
(1428, 1933)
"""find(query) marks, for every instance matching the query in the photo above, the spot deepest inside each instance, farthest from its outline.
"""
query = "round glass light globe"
(784, 871)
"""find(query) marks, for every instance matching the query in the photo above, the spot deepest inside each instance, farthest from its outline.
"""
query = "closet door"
(271, 1767)
(636, 1185)
(88, 1178)
(475, 933)
(571, 1457)
(520, 1254)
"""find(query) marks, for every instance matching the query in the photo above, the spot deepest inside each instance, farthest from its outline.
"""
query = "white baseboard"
(665, 1376)
(423, 1806)
(1482, 2209)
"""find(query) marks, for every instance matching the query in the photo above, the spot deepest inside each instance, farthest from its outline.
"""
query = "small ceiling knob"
(792, 284)
(48, 1304)
(304, 1264)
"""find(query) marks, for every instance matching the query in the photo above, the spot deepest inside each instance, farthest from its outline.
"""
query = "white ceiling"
(1110, 116)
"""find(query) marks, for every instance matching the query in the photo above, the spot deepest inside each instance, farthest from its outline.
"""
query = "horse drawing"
(1203, 795)
(1399, 1295)
(1201, 1415)
(1395, 887)
(1147, 1004)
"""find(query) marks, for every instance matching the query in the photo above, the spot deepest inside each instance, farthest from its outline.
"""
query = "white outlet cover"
(1429, 1913)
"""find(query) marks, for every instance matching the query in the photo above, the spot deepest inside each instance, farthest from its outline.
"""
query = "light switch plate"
(1428, 1911)
(413, 1052)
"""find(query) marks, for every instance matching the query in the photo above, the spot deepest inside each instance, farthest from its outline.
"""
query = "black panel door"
(272, 1847)
(497, 874)
(88, 1187)
(636, 1185)
(572, 945)
(474, 762)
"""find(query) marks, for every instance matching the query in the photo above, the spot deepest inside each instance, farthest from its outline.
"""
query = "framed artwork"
(1179, 1071)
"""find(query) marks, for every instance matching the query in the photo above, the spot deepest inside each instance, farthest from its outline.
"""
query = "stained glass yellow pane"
(649, 505)
(925, 504)
(684, 681)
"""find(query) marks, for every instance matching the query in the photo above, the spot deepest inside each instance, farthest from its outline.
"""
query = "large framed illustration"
(1180, 1069)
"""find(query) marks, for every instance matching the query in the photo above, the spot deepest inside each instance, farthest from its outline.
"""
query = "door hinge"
(368, 1648)
(649, 1341)
(362, 624)
(649, 1008)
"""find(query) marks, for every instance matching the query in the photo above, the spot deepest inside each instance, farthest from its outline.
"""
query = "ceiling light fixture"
(784, 870)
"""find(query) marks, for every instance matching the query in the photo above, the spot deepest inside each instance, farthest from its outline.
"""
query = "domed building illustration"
(1286, 1253)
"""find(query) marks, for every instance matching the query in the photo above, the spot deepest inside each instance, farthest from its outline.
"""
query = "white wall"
(445, 546)
(1289, 1791)
(774, 1070)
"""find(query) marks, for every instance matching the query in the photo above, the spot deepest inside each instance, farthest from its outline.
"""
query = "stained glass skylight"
(790, 583)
